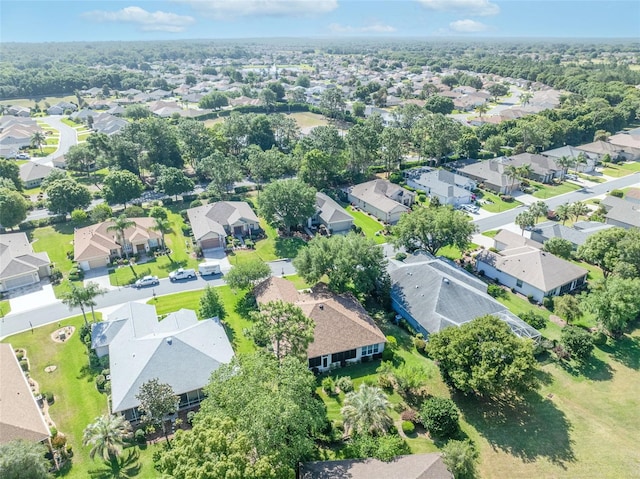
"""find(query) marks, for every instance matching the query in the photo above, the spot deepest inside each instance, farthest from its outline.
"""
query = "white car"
(182, 274)
(147, 281)
(22, 156)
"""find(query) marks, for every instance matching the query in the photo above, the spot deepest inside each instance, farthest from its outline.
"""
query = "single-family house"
(633, 195)
(531, 272)
(141, 348)
(33, 173)
(17, 110)
(573, 153)
(576, 235)
(630, 145)
(543, 168)
(414, 466)
(621, 212)
(343, 331)
(506, 239)
(383, 199)
(55, 110)
(20, 415)
(94, 246)
(601, 148)
(491, 174)
(19, 265)
(432, 294)
(330, 214)
(213, 222)
(450, 188)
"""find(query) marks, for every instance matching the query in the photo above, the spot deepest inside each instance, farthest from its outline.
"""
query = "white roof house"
(179, 350)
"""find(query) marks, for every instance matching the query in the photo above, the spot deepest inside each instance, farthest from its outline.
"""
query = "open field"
(308, 120)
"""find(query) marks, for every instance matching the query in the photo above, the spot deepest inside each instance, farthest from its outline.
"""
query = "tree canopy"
(65, 195)
(121, 186)
(157, 400)
(20, 459)
(13, 208)
(484, 357)
(351, 262)
(615, 302)
(287, 203)
(433, 228)
(173, 182)
(247, 274)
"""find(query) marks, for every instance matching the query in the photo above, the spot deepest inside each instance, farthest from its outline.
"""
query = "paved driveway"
(32, 297)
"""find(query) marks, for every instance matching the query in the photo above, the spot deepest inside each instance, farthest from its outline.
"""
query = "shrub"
(329, 385)
(24, 364)
(392, 343)
(190, 416)
(496, 291)
(49, 397)
(140, 436)
(19, 355)
(534, 319)
(78, 216)
(617, 193)
(53, 431)
(345, 384)
(506, 198)
(440, 417)
(101, 212)
(195, 203)
(530, 298)
(408, 427)
(59, 440)
(599, 338)
(186, 230)
(134, 212)
(401, 256)
(547, 302)
(420, 344)
(577, 341)
(387, 354)
(100, 380)
(410, 415)
(107, 388)
(167, 201)
(105, 372)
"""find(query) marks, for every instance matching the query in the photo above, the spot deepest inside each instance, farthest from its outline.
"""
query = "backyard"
(370, 226)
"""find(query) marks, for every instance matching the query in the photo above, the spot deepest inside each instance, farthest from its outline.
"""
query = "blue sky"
(71, 20)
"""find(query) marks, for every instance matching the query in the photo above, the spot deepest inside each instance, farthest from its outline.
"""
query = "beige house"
(94, 246)
(344, 332)
(212, 223)
(20, 416)
(383, 199)
(19, 265)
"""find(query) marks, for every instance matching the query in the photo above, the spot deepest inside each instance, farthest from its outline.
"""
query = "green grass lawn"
(5, 308)
(70, 122)
(491, 233)
(56, 240)
(96, 177)
(621, 169)
(453, 252)
(83, 136)
(495, 205)
(544, 191)
(370, 226)
(268, 249)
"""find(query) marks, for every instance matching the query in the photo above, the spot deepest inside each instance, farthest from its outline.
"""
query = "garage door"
(210, 243)
(97, 263)
(17, 282)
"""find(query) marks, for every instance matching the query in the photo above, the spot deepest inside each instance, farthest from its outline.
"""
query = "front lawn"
(270, 248)
(57, 241)
(369, 225)
(621, 169)
(5, 308)
(181, 257)
(492, 202)
(544, 191)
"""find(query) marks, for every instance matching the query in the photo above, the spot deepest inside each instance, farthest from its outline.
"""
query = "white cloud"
(372, 28)
(147, 21)
(468, 7)
(275, 8)
(467, 26)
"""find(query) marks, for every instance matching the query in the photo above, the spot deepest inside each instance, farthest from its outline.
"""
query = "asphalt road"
(15, 323)
(68, 138)
(498, 220)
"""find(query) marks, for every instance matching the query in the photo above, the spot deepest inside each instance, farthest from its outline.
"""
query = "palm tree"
(525, 98)
(563, 212)
(120, 224)
(76, 298)
(162, 226)
(578, 209)
(482, 109)
(513, 174)
(366, 411)
(37, 139)
(564, 162)
(91, 290)
(581, 159)
(525, 171)
(539, 208)
(106, 436)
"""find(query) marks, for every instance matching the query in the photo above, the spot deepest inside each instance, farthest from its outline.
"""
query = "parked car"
(210, 267)
(571, 176)
(182, 274)
(470, 208)
(147, 281)
(22, 156)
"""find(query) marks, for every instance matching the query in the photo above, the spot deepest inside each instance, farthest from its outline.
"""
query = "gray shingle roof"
(439, 294)
(330, 211)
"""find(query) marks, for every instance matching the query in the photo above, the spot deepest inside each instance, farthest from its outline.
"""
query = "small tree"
(567, 307)
(440, 417)
(121, 186)
(559, 246)
(211, 305)
(65, 195)
(577, 341)
(460, 457)
(21, 459)
(525, 220)
(366, 411)
(173, 182)
(100, 212)
(106, 436)
(13, 208)
(285, 327)
(157, 401)
(247, 274)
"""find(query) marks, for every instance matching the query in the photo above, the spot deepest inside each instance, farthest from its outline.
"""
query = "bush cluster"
(408, 427)
(345, 384)
(440, 417)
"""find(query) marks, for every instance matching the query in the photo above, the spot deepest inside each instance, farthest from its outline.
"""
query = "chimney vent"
(169, 340)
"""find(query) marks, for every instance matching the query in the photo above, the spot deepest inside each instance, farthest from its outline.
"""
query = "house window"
(314, 362)
(343, 356)
(519, 283)
(369, 350)
(565, 288)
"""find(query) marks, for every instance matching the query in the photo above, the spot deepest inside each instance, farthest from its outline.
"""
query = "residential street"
(15, 323)
(500, 219)
(68, 138)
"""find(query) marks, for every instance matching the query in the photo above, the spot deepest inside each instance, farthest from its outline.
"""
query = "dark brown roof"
(416, 466)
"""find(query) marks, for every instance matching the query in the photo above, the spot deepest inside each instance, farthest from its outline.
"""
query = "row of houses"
(16, 133)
